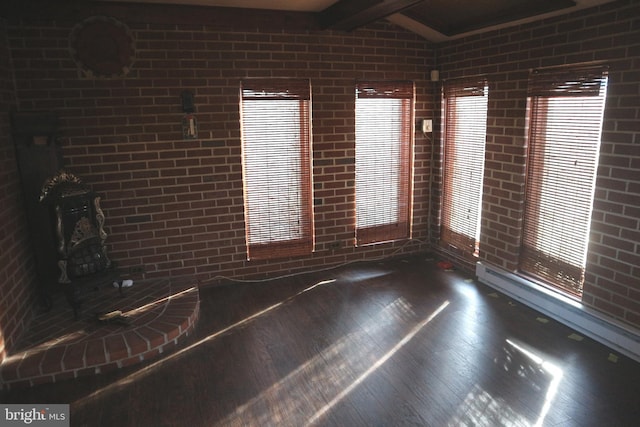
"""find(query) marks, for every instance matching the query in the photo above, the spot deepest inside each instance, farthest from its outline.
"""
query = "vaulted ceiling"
(435, 20)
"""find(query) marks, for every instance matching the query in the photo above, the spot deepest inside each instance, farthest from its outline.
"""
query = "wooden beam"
(348, 15)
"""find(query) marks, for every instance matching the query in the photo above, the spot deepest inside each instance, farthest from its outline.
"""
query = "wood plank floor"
(398, 342)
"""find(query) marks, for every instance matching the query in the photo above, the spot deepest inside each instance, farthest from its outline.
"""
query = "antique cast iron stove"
(79, 229)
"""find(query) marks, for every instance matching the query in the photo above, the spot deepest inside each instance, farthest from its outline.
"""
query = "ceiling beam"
(347, 15)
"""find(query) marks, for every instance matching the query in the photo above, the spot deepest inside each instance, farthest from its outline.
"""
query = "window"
(566, 110)
(384, 160)
(465, 126)
(276, 165)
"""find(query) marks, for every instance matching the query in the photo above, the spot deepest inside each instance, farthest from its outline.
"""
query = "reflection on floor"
(58, 347)
(399, 342)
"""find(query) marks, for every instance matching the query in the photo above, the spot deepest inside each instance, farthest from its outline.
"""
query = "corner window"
(565, 126)
(465, 127)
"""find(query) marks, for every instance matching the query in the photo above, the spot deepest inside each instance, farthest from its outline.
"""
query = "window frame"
(454, 235)
(553, 266)
(298, 243)
(398, 224)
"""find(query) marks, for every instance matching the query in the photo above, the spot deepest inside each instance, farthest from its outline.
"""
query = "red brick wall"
(175, 206)
(609, 33)
(17, 281)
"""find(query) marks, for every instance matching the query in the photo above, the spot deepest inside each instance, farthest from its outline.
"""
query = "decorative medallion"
(102, 47)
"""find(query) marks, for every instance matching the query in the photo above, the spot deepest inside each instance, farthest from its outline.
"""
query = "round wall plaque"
(102, 47)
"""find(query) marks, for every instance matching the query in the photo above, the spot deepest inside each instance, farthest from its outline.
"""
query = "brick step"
(58, 347)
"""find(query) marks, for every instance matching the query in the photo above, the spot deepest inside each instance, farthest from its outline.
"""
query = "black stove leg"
(73, 298)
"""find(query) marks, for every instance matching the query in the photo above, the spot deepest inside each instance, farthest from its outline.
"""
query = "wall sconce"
(189, 122)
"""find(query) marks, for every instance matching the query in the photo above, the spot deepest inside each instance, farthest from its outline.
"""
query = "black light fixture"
(189, 122)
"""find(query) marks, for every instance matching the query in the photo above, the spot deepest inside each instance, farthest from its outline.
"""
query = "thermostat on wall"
(427, 126)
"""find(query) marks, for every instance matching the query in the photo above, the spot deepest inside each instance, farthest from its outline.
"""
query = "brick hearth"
(58, 347)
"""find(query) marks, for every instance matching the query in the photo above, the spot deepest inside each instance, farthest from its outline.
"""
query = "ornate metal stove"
(79, 228)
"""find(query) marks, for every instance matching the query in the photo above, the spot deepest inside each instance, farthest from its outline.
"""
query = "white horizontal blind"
(384, 160)
(567, 107)
(465, 103)
(276, 155)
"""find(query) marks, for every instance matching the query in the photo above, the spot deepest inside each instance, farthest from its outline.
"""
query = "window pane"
(565, 176)
(563, 155)
(276, 159)
(378, 147)
(463, 166)
(384, 161)
(272, 170)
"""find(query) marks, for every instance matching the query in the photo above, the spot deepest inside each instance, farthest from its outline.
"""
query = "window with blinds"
(384, 160)
(465, 127)
(275, 117)
(566, 111)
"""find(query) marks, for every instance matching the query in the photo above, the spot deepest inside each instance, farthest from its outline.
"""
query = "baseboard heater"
(608, 331)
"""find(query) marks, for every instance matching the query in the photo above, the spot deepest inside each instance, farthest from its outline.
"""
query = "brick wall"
(175, 206)
(17, 281)
(609, 33)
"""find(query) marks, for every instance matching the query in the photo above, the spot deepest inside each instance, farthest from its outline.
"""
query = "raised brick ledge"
(56, 347)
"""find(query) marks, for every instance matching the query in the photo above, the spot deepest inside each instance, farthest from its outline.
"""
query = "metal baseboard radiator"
(608, 331)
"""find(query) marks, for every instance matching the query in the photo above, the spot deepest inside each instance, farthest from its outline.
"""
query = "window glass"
(384, 160)
(276, 156)
(465, 126)
(567, 107)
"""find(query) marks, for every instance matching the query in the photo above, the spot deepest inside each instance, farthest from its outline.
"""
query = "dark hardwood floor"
(398, 342)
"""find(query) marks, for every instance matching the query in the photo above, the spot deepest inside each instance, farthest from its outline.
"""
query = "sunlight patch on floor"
(42, 347)
(319, 414)
(551, 369)
(482, 408)
(364, 275)
(309, 392)
(152, 367)
(153, 304)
